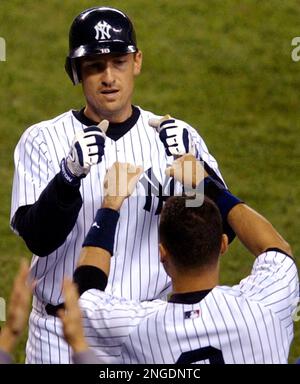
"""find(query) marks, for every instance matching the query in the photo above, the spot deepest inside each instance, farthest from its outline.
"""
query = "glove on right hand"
(87, 149)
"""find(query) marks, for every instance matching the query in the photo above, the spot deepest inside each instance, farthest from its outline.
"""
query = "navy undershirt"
(115, 130)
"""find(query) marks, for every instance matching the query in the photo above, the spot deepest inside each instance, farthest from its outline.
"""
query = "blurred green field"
(223, 66)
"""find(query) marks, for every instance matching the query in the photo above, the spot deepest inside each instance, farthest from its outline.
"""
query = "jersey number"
(212, 354)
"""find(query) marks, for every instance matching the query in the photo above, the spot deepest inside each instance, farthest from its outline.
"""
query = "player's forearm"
(254, 231)
(98, 245)
(97, 257)
(94, 262)
(46, 224)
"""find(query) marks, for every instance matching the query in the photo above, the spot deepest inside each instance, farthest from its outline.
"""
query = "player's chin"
(109, 109)
(110, 101)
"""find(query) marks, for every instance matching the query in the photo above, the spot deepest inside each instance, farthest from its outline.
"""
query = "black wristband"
(67, 176)
(102, 231)
(89, 277)
(223, 198)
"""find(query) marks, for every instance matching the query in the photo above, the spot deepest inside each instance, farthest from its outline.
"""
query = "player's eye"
(94, 66)
(120, 61)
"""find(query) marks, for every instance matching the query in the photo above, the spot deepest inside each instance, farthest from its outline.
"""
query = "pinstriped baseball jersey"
(248, 323)
(135, 271)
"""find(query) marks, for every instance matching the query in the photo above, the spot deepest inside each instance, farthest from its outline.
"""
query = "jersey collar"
(115, 130)
(188, 297)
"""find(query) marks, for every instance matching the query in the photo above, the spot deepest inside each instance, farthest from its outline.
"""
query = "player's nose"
(107, 76)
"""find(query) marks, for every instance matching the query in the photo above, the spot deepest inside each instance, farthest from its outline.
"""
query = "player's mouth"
(109, 94)
(108, 91)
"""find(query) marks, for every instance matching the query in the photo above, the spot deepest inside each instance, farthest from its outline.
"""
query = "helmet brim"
(102, 48)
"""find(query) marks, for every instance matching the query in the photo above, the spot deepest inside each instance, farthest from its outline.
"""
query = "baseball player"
(202, 322)
(60, 165)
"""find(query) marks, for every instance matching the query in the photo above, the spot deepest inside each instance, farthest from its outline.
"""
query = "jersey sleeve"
(204, 155)
(274, 283)
(33, 168)
(108, 321)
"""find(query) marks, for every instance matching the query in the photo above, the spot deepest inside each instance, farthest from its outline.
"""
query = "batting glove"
(87, 149)
(174, 135)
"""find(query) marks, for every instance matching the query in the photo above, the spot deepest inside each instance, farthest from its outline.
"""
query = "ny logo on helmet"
(102, 27)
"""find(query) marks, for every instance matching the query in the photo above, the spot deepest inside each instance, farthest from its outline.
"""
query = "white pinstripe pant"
(46, 344)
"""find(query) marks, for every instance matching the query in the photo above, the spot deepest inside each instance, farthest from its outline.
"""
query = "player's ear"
(224, 244)
(162, 253)
(138, 59)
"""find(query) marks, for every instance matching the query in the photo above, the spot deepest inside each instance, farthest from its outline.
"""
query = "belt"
(53, 309)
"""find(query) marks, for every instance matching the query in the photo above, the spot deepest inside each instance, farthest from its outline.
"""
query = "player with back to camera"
(250, 322)
(60, 165)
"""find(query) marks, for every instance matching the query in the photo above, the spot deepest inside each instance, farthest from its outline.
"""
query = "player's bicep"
(274, 283)
(33, 170)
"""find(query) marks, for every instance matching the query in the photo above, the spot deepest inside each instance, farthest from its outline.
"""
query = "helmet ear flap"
(73, 70)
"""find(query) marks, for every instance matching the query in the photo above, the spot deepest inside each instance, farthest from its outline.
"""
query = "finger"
(23, 271)
(136, 173)
(103, 125)
(169, 172)
(188, 157)
(175, 170)
(155, 122)
(70, 294)
(33, 284)
(182, 158)
(20, 283)
(95, 138)
(140, 169)
(61, 314)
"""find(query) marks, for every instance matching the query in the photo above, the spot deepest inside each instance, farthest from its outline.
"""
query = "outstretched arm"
(253, 230)
(94, 263)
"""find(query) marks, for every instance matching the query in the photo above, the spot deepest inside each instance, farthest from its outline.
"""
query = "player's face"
(108, 82)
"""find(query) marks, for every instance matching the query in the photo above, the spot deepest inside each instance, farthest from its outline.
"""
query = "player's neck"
(207, 279)
(113, 117)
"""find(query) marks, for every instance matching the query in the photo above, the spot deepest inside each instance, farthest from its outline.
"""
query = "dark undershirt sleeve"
(226, 227)
(45, 225)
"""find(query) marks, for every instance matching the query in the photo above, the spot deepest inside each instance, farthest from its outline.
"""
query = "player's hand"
(119, 183)
(174, 135)
(187, 170)
(18, 309)
(87, 149)
(71, 318)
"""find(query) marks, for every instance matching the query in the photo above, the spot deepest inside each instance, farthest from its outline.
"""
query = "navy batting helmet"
(98, 31)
